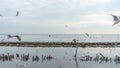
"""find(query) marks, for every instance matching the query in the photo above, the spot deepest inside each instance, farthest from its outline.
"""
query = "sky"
(59, 16)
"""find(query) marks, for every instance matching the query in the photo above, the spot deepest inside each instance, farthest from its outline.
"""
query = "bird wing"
(116, 22)
(115, 17)
(9, 36)
(87, 34)
(17, 13)
(113, 24)
(18, 37)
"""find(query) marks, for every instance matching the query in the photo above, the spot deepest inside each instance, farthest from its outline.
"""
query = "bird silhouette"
(17, 13)
(17, 36)
(116, 19)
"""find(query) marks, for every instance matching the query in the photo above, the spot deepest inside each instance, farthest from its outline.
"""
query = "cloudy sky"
(59, 16)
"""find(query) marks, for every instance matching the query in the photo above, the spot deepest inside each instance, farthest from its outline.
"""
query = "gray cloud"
(52, 15)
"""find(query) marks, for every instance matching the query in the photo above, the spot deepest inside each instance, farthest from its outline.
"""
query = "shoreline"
(61, 44)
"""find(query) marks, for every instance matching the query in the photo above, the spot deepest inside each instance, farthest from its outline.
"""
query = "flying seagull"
(18, 37)
(17, 13)
(116, 19)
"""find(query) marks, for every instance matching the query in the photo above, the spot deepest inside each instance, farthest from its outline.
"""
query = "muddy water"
(59, 57)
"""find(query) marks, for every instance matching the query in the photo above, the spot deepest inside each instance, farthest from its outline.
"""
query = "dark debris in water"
(25, 57)
(100, 58)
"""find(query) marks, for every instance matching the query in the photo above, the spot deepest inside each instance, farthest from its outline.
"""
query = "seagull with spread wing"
(17, 36)
(116, 19)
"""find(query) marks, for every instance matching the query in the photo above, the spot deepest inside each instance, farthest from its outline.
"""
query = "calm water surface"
(59, 57)
(63, 37)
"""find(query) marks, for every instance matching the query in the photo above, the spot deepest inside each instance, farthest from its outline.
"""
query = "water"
(59, 57)
(63, 37)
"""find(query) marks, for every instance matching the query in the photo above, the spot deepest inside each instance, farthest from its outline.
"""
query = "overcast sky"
(59, 16)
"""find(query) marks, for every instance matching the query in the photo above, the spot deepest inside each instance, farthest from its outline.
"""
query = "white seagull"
(116, 19)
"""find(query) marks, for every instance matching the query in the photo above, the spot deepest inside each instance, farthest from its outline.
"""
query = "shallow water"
(59, 57)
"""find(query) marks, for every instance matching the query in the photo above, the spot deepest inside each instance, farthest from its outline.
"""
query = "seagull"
(17, 36)
(17, 13)
(116, 19)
